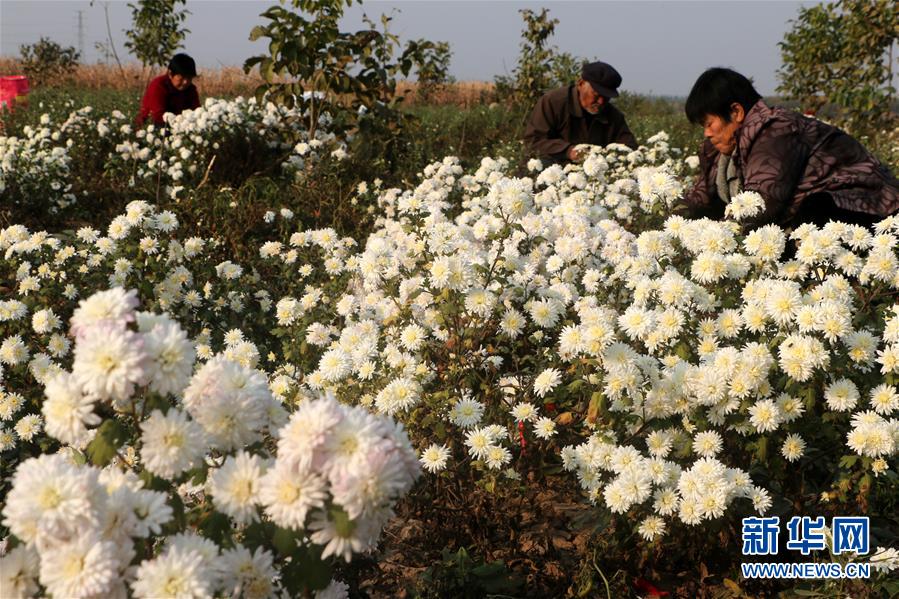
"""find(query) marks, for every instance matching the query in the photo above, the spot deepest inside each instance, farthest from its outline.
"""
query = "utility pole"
(81, 34)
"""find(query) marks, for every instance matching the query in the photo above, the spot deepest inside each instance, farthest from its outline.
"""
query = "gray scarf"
(726, 179)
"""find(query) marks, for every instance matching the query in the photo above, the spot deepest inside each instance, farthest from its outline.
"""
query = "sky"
(660, 47)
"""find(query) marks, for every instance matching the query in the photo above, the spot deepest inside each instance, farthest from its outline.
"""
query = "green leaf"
(848, 461)
(198, 475)
(342, 522)
(111, 435)
(285, 540)
(257, 32)
(258, 534)
(761, 451)
(314, 571)
(153, 483)
(217, 527)
(179, 520)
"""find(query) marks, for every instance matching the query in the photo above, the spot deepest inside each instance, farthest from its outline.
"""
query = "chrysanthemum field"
(508, 380)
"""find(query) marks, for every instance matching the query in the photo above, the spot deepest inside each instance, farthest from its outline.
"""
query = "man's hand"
(574, 155)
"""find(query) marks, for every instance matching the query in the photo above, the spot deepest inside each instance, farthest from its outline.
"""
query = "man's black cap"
(603, 77)
(184, 65)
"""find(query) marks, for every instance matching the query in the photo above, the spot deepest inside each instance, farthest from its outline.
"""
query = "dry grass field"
(230, 81)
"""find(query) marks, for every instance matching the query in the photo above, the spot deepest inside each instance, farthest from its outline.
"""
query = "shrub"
(48, 63)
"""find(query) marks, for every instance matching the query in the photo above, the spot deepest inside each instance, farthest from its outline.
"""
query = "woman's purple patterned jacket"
(787, 157)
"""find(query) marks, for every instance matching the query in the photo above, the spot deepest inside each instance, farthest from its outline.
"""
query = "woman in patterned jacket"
(807, 171)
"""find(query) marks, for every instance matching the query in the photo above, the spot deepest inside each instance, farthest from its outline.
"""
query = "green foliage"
(540, 66)
(345, 73)
(461, 575)
(46, 62)
(110, 436)
(432, 60)
(158, 30)
(841, 53)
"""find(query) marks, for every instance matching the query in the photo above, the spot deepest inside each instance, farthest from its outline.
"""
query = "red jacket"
(161, 97)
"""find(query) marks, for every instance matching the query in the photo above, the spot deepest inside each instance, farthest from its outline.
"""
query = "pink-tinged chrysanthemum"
(113, 307)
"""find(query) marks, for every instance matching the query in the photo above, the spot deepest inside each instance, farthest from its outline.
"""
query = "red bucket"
(13, 88)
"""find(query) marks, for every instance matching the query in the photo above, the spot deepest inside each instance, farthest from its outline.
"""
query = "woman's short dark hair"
(184, 65)
(715, 91)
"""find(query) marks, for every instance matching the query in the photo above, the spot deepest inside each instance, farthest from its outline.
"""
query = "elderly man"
(172, 92)
(578, 114)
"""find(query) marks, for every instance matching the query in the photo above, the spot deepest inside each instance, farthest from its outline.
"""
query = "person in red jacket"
(172, 92)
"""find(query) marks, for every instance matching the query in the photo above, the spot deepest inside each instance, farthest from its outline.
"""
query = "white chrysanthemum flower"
(152, 511)
(467, 412)
(28, 426)
(497, 456)
(301, 440)
(289, 494)
(228, 271)
(251, 575)
(743, 205)
(512, 323)
(51, 498)
(651, 528)
(884, 399)
(544, 428)
(170, 357)
(58, 345)
(765, 416)
(13, 351)
(175, 573)
(335, 590)
(761, 500)
(885, 559)
(545, 312)
(381, 476)
(793, 448)
(230, 401)
(235, 487)
(524, 412)
(434, 458)
(335, 364)
(399, 394)
(341, 539)
(707, 444)
(44, 321)
(10, 403)
(871, 435)
(841, 395)
(546, 381)
(18, 572)
(171, 443)
(109, 362)
(412, 337)
(659, 443)
(479, 442)
(86, 566)
(67, 411)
